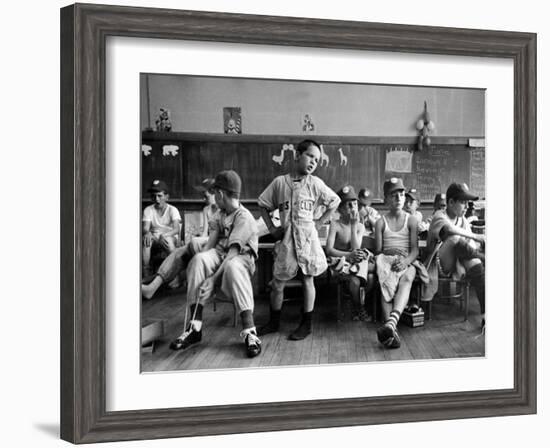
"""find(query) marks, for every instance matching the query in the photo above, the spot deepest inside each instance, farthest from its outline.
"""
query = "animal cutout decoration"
(343, 157)
(324, 157)
(170, 150)
(146, 150)
(279, 159)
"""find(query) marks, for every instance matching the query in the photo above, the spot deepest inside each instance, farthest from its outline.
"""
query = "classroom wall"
(278, 107)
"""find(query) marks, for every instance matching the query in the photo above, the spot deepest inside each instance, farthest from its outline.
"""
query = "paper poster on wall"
(232, 120)
(398, 160)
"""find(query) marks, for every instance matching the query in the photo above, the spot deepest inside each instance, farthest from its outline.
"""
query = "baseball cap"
(228, 180)
(158, 185)
(440, 198)
(393, 184)
(205, 185)
(460, 192)
(347, 193)
(364, 193)
(413, 194)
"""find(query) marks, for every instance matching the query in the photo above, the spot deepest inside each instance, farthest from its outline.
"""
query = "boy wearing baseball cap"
(160, 224)
(453, 249)
(228, 257)
(368, 214)
(171, 267)
(396, 238)
(344, 240)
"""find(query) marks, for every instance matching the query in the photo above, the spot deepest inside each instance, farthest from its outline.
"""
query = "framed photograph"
(386, 106)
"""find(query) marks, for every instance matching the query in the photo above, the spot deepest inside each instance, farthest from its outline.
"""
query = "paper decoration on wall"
(163, 122)
(324, 157)
(146, 150)
(308, 125)
(343, 157)
(232, 121)
(281, 157)
(399, 160)
(170, 150)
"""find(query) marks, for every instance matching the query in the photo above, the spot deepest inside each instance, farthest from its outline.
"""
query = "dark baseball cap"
(228, 180)
(347, 193)
(413, 194)
(440, 199)
(460, 192)
(365, 193)
(158, 185)
(393, 184)
(205, 185)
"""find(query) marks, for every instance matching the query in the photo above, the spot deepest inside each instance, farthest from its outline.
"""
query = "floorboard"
(445, 336)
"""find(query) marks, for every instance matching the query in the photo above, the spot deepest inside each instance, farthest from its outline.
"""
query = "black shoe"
(304, 329)
(270, 327)
(253, 345)
(388, 337)
(186, 340)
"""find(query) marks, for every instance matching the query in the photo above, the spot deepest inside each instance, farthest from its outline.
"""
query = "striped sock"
(393, 319)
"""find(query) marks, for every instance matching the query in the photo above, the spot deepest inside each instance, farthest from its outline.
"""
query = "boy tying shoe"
(297, 195)
(229, 256)
(344, 240)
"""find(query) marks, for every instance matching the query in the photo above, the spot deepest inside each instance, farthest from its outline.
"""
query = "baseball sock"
(393, 319)
(247, 319)
(197, 313)
(303, 329)
(273, 325)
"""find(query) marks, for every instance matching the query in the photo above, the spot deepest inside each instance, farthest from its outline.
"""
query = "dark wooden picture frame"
(84, 29)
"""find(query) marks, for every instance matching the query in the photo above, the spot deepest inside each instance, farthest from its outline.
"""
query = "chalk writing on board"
(398, 160)
(477, 171)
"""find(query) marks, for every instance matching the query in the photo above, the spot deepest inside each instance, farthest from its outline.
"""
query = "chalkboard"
(184, 164)
(477, 171)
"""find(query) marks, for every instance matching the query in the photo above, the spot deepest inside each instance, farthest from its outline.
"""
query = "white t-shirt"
(164, 223)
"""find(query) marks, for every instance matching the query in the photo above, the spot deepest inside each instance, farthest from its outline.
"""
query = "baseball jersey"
(297, 202)
(164, 223)
(439, 220)
(238, 227)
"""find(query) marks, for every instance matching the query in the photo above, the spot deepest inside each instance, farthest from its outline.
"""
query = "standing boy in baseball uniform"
(297, 195)
(161, 224)
(229, 256)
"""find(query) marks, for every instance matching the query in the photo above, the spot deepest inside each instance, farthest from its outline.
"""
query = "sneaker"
(186, 339)
(388, 337)
(253, 345)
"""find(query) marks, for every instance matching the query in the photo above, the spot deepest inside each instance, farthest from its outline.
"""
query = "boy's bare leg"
(276, 304)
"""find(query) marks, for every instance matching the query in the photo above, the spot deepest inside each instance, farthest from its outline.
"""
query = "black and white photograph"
(301, 223)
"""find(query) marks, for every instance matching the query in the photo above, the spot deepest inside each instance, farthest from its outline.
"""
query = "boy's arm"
(331, 238)
(207, 287)
(449, 229)
(378, 238)
(146, 231)
(357, 231)
(413, 238)
(205, 223)
(330, 209)
(276, 232)
(212, 239)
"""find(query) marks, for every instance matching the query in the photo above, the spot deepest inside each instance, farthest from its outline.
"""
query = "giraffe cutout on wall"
(343, 157)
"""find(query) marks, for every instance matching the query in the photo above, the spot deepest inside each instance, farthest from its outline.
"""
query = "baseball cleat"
(253, 345)
(186, 339)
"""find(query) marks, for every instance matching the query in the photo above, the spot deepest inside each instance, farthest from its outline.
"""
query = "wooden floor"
(447, 335)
